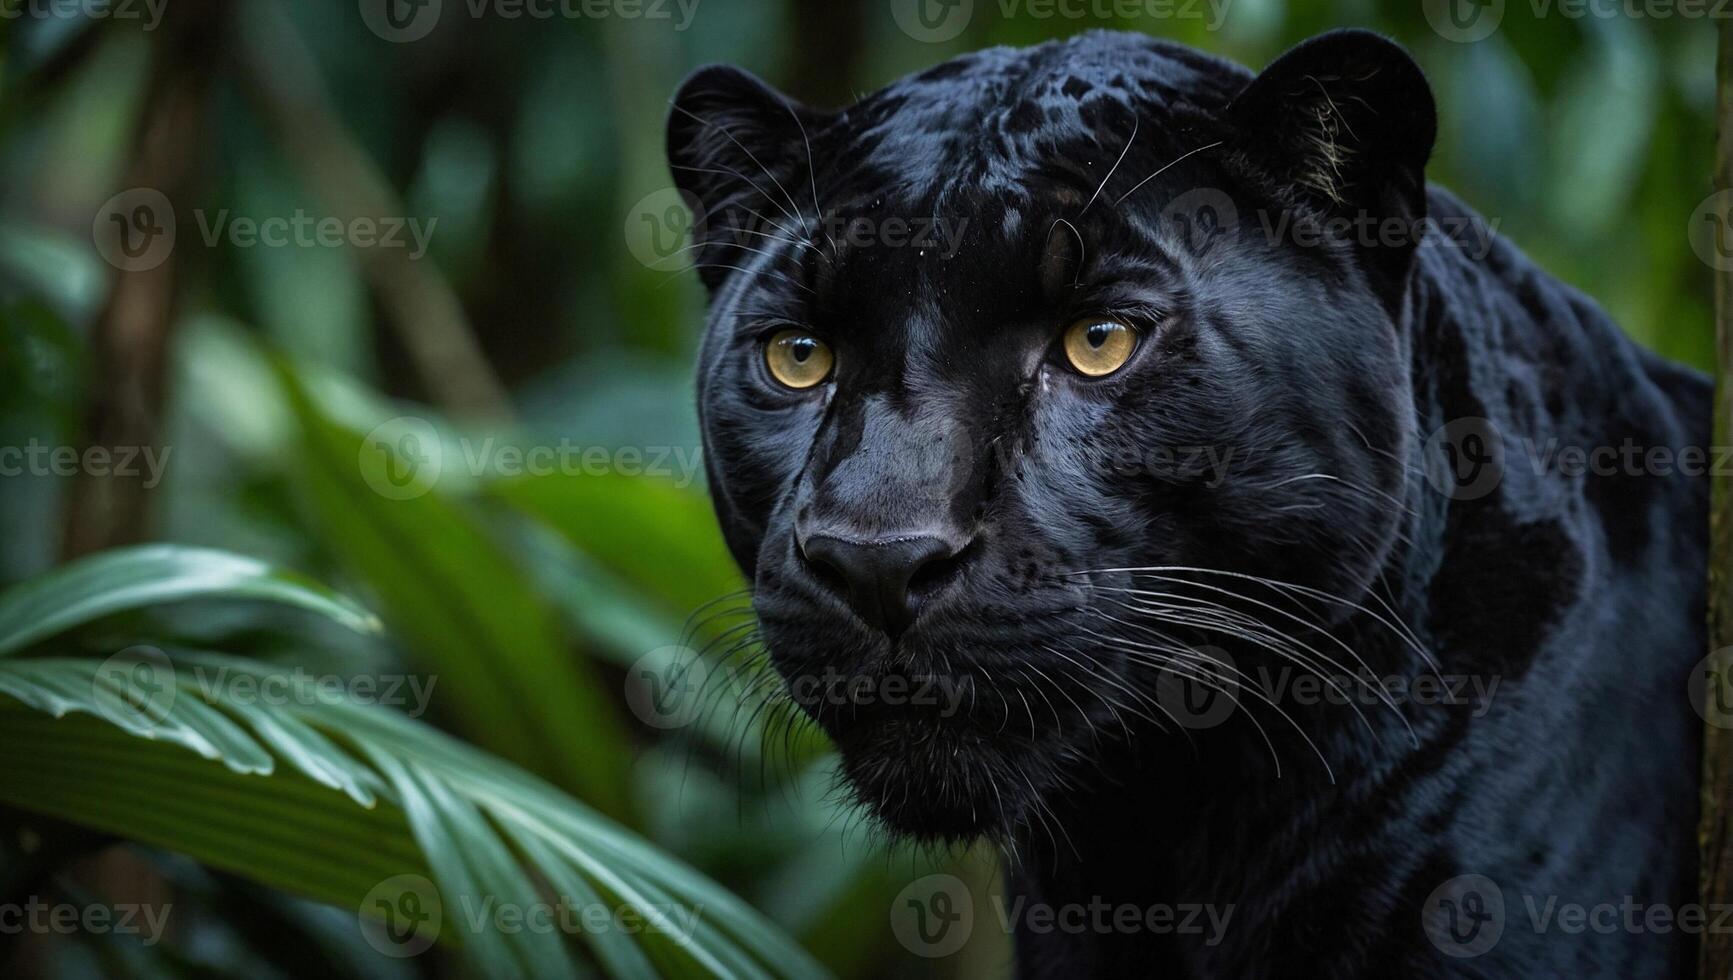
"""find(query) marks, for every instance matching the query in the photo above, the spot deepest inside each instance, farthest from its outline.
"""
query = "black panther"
(1104, 378)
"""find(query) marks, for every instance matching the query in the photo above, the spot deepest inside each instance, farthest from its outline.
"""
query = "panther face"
(1001, 332)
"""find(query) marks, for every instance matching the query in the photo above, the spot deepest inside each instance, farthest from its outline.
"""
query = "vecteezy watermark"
(1205, 465)
(1710, 688)
(1466, 21)
(1634, 9)
(404, 21)
(663, 226)
(135, 230)
(1469, 914)
(1464, 917)
(37, 458)
(1464, 458)
(302, 230)
(1102, 917)
(1201, 218)
(402, 915)
(1468, 458)
(405, 914)
(669, 686)
(410, 694)
(938, 21)
(147, 12)
(946, 459)
(37, 916)
(1471, 234)
(1711, 231)
(934, 916)
(666, 229)
(401, 458)
(1212, 12)
(1463, 21)
(137, 688)
(1203, 687)
(404, 457)
(665, 687)
(932, 21)
(832, 689)
(1200, 690)
(1628, 458)
(574, 917)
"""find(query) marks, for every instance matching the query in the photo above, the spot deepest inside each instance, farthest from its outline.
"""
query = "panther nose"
(876, 575)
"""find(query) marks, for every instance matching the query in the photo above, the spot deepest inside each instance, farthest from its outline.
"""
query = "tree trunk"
(129, 342)
(1715, 834)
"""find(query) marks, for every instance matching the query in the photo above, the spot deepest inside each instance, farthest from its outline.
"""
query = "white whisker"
(1164, 169)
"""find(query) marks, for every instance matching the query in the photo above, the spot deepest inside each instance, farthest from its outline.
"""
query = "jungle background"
(549, 309)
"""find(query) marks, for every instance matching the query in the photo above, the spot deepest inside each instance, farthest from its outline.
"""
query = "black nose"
(876, 574)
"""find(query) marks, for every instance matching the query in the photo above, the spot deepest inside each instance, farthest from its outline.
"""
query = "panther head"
(999, 334)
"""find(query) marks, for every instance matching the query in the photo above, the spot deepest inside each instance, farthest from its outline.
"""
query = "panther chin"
(937, 780)
(970, 764)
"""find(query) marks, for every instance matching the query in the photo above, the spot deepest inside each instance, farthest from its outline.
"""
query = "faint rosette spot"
(1465, 458)
(402, 915)
(135, 688)
(933, 916)
(1711, 230)
(1711, 688)
(1200, 219)
(401, 21)
(665, 687)
(135, 229)
(401, 458)
(1463, 21)
(943, 462)
(1199, 691)
(1464, 917)
(932, 21)
(662, 227)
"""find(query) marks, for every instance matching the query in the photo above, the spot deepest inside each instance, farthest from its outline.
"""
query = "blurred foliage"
(528, 144)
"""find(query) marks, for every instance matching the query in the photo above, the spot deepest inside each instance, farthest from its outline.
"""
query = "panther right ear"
(1343, 124)
(737, 145)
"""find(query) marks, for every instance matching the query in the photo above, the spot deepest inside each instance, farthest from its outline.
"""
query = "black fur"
(1088, 178)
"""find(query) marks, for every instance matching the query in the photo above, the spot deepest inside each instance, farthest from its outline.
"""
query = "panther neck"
(1497, 579)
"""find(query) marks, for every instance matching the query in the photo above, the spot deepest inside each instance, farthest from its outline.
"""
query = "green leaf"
(132, 578)
(656, 535)
(464, 609)
(494, 841)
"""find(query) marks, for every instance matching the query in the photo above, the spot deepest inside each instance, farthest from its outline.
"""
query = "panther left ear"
(739, 148)
(1344, 122)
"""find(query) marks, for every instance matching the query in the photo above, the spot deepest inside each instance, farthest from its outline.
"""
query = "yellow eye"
(798, 359)
(1099, 347)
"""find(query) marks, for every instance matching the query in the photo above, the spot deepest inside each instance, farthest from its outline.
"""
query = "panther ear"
(736, 144)
(1343, 122)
